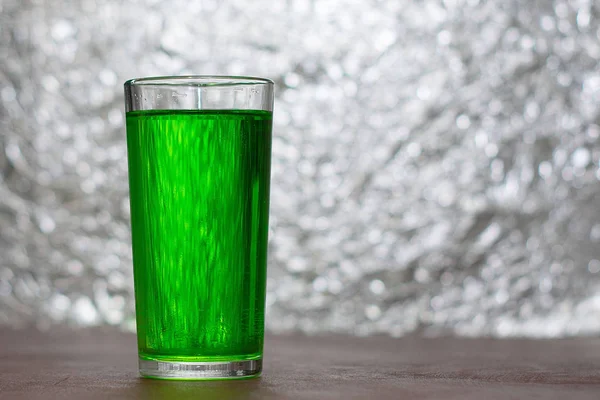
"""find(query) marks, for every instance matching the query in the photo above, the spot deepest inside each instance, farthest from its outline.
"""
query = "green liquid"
(199, 188)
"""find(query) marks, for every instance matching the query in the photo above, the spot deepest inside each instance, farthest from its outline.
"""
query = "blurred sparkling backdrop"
(436, 163)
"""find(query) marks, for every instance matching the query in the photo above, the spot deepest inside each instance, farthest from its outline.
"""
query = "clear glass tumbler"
(199, 154)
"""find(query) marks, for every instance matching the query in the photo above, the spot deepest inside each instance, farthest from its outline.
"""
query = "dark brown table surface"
(101, 364)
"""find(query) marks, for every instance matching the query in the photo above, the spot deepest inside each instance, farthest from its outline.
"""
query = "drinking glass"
(199, 156)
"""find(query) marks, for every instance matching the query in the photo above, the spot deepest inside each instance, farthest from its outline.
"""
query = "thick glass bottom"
(200, 370)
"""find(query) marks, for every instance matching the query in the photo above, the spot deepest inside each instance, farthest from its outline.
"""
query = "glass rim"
(198, 80)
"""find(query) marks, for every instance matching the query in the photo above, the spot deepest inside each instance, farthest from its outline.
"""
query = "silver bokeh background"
(435, 166)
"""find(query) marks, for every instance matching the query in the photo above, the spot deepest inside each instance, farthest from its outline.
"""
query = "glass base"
(200, 370)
